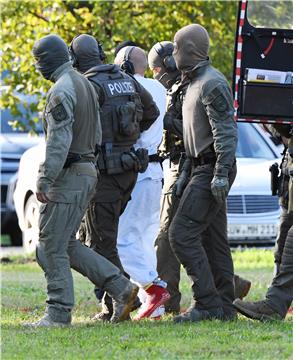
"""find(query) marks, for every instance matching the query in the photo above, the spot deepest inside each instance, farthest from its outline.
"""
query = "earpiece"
(126, 64)
(166, 56)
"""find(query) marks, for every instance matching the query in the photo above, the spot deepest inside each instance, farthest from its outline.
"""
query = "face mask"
(166, 79)
(50, 53)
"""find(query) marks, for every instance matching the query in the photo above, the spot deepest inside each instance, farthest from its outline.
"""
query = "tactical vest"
(172, 144)
(121, 107)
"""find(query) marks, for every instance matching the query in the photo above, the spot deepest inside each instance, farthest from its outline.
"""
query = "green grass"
(5, 240)
(23, 299)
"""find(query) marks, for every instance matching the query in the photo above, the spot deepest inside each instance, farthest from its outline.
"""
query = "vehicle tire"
(30, 236)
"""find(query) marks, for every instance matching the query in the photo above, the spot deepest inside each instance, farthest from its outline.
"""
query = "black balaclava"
(86, 51)
(166, 76)
(191, 46)
(50, 53)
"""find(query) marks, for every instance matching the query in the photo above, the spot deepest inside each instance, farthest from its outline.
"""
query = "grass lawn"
(23, 299)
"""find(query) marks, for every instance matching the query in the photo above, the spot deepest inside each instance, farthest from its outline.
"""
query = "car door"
(263, 62)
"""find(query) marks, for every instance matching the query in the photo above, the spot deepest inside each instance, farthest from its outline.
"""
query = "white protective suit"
(139, 224)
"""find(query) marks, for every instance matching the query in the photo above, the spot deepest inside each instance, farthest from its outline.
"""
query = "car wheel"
(30, 235)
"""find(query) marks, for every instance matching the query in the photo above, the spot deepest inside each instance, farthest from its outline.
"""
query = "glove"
(220, 188)
(180, 184)
(143, 159)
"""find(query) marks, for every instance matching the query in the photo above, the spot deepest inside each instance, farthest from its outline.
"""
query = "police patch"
(220, 103)
(59, 112)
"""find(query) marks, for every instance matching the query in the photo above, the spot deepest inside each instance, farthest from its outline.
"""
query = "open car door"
(263, 62)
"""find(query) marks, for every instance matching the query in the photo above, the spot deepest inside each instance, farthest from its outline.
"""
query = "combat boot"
(258, 310)
(196, 315)
(46, 321)
(107, 312)
(241, 287)
(156, 296)
(122, 305)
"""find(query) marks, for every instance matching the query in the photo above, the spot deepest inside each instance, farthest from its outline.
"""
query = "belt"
(76, 158)
(204, 159)
(156, 158)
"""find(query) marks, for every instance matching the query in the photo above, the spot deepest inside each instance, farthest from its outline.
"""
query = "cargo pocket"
(42, 212)
(64, 208)
(196, 206)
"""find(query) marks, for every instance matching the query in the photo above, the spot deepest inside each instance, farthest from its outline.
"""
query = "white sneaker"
(158, 313)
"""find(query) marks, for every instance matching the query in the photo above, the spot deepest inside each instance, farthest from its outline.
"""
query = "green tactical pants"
(280, 294)
(58, 249)
(168, 266)
(206, 259)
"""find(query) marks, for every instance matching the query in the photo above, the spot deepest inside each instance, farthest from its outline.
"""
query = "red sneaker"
(156, 296)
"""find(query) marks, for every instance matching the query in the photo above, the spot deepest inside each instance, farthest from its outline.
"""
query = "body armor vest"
(172, 144)
(121, 107)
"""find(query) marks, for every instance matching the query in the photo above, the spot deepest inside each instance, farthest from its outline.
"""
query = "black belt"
(74, 158)
(156, 158)
(204, 159)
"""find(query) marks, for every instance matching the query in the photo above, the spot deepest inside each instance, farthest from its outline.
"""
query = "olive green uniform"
(72, 127)
(210, 139)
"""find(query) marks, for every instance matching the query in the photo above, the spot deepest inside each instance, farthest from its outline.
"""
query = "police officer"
(65, 183)
(210, 139)
(126, 110)
(164, 68)
(162, 63)
(279, 295)
(286, 218)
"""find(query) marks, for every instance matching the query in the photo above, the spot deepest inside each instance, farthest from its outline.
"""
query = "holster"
(274, 169)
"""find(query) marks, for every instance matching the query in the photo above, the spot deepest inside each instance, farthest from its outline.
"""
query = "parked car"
(13, 143)
(253, 214)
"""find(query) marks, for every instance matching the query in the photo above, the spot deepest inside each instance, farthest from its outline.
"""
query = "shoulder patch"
(59, 112)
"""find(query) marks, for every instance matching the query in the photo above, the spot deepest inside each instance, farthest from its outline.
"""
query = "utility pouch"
(130, 161)
(274, 169)
(128, 124)
(113, 163)
(143, 158)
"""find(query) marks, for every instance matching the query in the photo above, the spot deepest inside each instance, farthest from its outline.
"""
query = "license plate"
(249, 230)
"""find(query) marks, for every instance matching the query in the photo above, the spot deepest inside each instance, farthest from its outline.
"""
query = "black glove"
(183, 179)
(220, 188)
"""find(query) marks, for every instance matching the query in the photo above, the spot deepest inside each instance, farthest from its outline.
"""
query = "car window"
(251, 143)
(270, 14)
(7, 117)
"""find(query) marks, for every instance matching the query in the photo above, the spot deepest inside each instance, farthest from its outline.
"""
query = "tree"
(146, 22)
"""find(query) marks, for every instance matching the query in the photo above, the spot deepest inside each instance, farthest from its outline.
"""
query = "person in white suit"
(139, 224)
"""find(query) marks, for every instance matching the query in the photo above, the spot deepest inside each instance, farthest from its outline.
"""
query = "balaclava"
(50, 53)
(161, 56)
(191, 46)
(86, 51)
